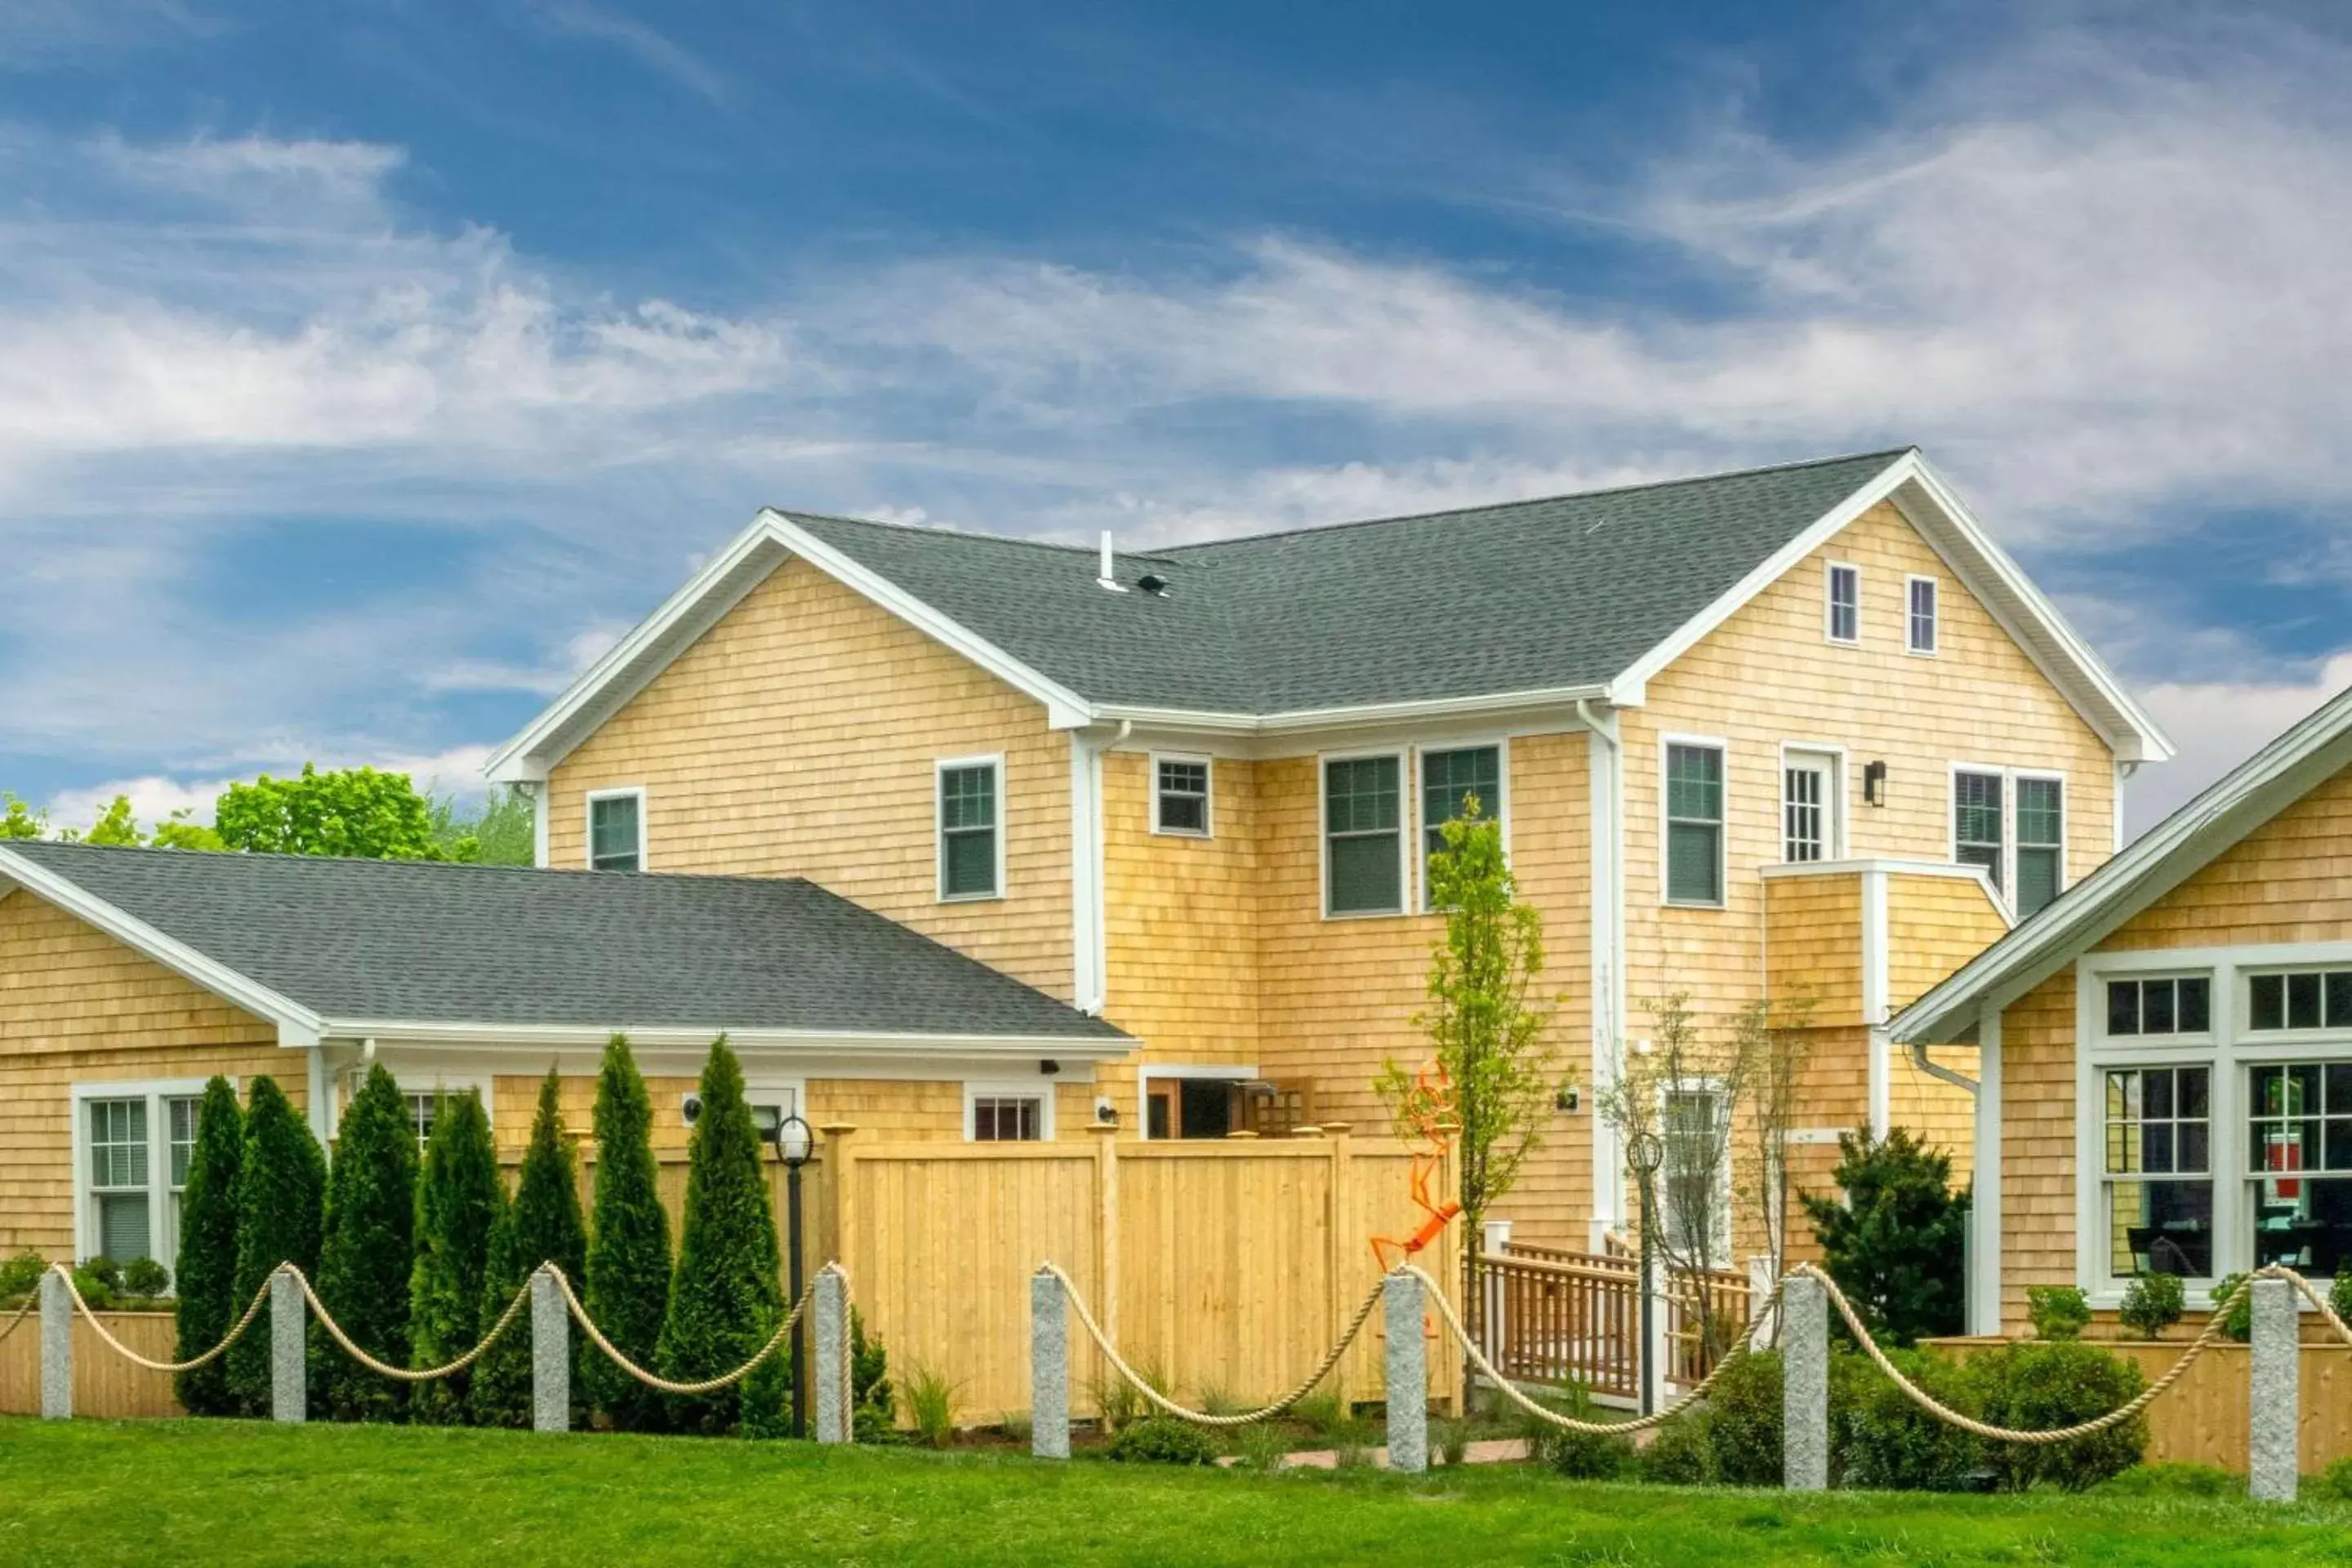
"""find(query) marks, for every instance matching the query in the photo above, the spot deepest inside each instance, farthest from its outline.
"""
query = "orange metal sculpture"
(1427, 1115)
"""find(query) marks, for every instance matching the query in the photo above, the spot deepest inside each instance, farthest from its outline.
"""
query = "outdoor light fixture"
(1049, 1067)
(1873, 782)
(795, 1143)
(795, 1146)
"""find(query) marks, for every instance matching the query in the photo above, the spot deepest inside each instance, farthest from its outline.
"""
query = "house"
(2166, 1050)
(1796, 730)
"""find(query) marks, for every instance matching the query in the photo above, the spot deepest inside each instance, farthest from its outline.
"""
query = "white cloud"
(154, 797)
(2218, 725)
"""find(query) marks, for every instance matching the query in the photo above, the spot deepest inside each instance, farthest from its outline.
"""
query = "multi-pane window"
(1364, 863)
(2159, 1167)
(1804, 814)
(968, 831)
(1694, 824)
(2041, 842)
(1921, 621)
(1450, 781)
(1007, 1119)
(1695, 1174)
(179, 1122)
(1182, 797)
(2182, 1006)
(119, 1180)
(615, 833)
(2299, 1146)
(1844, 608)
(2306, 999)
(1977, 822)
(422, 1110)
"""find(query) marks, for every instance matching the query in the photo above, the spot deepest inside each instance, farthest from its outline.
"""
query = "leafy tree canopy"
(350, 811)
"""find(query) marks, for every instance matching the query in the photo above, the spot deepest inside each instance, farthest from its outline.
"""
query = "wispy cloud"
(650, 47)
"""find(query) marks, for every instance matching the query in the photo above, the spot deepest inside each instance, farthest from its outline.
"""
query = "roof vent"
(1107, 579)
(1153, 582)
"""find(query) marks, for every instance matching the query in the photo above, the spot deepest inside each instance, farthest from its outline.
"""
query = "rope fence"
(251, 1312)
(662, 1384)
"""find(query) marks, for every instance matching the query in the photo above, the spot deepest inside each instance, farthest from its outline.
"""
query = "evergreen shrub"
(20, 1275)
(2239, 1323)
(873, 1406)
(367, 1253)
(1880, 1440)
(627, 1287)
(458, 1201)
(1681, 1452)
(145, 1277)
(1745, 1426)
(2057, 1312)
(541, 1226)
(1580, 1456)
(1162, 1440)
(1895, 1246)
(2153, 1303)
(280, 1198)
(2039, 1384)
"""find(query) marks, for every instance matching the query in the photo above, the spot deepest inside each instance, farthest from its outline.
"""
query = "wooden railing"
(1549, 1315)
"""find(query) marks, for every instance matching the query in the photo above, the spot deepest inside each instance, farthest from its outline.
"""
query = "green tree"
(353, 811)
(500, 834)
(206, 1267)
(115, 827)
(541, 1226)
(1896, 1246)
(21, 821)
(1496, 1081)
(628, 1256)
(282, 1188)
(368, 1253)
(459, 1203)
(724, 1299)
(181, 832)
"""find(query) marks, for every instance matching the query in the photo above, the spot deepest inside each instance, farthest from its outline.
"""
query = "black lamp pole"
(794, 1147)
(1647, 1153)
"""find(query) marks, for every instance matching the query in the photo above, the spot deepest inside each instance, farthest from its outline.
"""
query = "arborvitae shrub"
(281, 1191)
(1895, 1244)
(873, 1407)
(207, 1262)
(368, 1253)
(724, 1299)
(627, 1289)
(541, 1226)
(459, 1202)
(2036, 1385)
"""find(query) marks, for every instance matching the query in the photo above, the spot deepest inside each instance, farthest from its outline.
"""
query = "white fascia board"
(1308, 720)
(1882, 866)
(2161, 859)
(297, 1024)
(525, 1037)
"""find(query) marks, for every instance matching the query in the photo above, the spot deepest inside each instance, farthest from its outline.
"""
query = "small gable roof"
(1574, 596)
(333, 942)
(2249, 795)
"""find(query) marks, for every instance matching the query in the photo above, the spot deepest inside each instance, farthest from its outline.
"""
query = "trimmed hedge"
(627, 1287)
(368, 1253)
(207, 1263)
(281, 1192)
(2035, 1385)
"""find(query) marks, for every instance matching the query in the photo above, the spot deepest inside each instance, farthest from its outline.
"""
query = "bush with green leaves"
(873, 1407)
(2175, 1479)
(1681, 1452)
(541, 1226)
(99, 1280)
(1882, 1441)
(2057, 1312)
(628, 1290)
(725, 1300)
(20, 1275)
(206, 1310)
(1162, 1440)
(1745, 1424)
(2238, 1323)
(2037, 1385)
(145, 1279)
(2333, 1484)
(2340, 1296)
(1580, 1456)
(280, 1210)
(2153, 1303)
(458, 1201)
(1895, 1246)
(367, 1254)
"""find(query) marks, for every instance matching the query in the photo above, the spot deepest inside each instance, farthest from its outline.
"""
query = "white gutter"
(1605, 781)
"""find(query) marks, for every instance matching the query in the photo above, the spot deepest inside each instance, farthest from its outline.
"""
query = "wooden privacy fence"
(103, 1385)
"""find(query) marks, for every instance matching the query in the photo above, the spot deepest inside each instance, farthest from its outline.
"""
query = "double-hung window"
(1694, 801)
(134, 1143)
(1919, 622)
(1694, 1176)
(1450, 781)
(2299, 1146)
(2041, 842)
(2014, 825)
(1180, 796)
(1363, 853)
(1843, 612)
(616, 830)
(2159, 1171)
(971, 841)
(1977, 820)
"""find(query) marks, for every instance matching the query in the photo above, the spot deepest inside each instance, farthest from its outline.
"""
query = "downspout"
(1091, 959)
(1935, 1070)
(1608, 943)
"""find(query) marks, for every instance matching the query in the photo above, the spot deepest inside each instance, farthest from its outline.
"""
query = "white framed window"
(2166, 1007)
(1008, 1112)
(970, 796)
(1449, 777)
(1841, 603)
(2158, 1170)
(1920, 618)
(1690, 800)
(616, 829)
(1813, 804)
(773, 1101)
(1180, 796)
(1191, 1101)
(423, 1097)
(1363, 835)
(131, 1147)
(2298, 1001)
(1695, 1175)
(2012, 823)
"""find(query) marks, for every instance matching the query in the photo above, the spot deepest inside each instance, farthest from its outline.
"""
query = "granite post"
(1407, 1373)
(551, 1356)
(1049, 1368)
(290, 1374)
(1805, 1387)
(2277, 1376)
(56, 1349)
(834, 1417)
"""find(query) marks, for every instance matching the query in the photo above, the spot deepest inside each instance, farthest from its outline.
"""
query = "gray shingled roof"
(1567, 591)
(484, 945)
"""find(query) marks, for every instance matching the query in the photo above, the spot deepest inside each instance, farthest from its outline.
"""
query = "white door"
(1811, 807)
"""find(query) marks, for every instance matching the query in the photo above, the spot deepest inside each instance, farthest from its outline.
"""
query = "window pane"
(2195, 1006)
(2303, 1000)
(1845, 603)
(2195, 1087)
(2267, 994)
(972, 862)
(2339, 998)
(122, 1231)
(1976, 822)
(2155, 1002)
(182, 1114)
(2161, 1227)
(1923, 616)
(1694, 784)
(613, 833)
(1365, 876)
(118, 1142)
(2122, 1006)
(1449, 780)
(1693, 865)
(2040, 816)
(2037, 880)
(968, 797)
(1183, 797)
(1361, 796)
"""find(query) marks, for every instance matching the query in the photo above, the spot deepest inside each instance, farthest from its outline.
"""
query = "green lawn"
(185, 1492)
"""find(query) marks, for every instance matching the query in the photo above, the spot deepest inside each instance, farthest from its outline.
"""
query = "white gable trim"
(1981, 565)
(2252, 793)
(631, 664)
(297, 1024)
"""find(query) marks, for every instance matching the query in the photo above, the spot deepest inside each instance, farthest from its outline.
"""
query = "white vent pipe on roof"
(1107, 579)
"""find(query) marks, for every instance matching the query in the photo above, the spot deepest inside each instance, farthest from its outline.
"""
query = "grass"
(93, 1491)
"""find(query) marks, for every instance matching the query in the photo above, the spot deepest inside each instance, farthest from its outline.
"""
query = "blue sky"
(365, 368)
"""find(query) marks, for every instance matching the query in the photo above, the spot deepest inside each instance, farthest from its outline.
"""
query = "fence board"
(105, 1385)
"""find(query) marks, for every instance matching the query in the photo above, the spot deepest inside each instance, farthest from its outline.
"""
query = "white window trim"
(1840, 760)
(2008, 776)
(1498, 809)
(162, 1230)
(939, 768)
(1723, 1182)
(588, 820)
(414, 1082)
(1830, 569)
(1208, 828)
(1722, 825)
(1212, 1072)
(763, 1090)
(1408, 824)
(1039, 1088)
(2228, 1049)
(1935, 622)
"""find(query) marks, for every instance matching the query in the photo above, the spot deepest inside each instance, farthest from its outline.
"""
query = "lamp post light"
(1647, 1151)
(795, 1146)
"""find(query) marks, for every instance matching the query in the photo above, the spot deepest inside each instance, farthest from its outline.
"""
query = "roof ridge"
(1087, 551)
(1890, 453)
(251, 856)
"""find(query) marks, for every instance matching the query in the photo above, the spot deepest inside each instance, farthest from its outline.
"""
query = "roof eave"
(1301, 721)
(1087, 1048)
